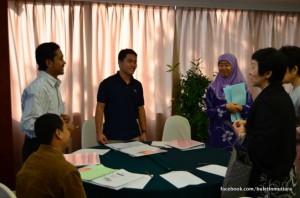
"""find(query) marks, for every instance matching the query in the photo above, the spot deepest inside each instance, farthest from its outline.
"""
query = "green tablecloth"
(159, 164)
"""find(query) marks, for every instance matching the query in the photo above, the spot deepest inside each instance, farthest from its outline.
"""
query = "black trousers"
(30, 145)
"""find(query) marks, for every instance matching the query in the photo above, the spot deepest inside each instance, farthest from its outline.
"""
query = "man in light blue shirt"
(42, 95)
(292, 76)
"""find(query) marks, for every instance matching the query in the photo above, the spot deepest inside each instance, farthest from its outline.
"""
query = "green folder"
(93, 172)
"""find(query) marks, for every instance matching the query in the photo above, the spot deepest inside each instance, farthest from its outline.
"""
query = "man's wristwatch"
(143, 131)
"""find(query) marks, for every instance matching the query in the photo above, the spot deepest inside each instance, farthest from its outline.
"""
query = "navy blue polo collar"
(121, 79)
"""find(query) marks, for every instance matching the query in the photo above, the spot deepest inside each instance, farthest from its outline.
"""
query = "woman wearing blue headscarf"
(220, 131)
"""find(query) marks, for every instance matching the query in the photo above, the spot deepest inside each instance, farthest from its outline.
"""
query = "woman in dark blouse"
(268, 135)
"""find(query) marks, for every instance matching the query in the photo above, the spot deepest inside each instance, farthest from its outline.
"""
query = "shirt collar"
(49, 148)
(119, 76)
(54, 82)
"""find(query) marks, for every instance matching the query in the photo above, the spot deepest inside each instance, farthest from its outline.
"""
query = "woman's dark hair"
(43, 52)
(45, 126)
(270, 59)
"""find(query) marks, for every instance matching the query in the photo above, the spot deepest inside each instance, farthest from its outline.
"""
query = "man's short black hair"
(270, 59)
(43, 52)
(123, 53)
(293, 55)
(46, 125)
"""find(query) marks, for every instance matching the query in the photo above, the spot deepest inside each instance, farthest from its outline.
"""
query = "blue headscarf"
(236, 76)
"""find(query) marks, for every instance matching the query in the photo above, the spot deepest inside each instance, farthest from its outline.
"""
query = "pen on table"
(148, 174)
(120, 174)
(203, 163)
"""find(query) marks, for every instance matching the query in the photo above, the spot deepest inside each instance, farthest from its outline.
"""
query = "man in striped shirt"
(42, 95)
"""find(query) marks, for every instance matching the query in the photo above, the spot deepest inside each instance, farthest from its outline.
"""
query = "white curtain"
(91, 35)
(208, 33)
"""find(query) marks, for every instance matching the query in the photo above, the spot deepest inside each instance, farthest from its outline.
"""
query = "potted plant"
(188, 98)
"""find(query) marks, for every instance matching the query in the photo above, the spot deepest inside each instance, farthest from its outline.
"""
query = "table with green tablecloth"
(161, 163)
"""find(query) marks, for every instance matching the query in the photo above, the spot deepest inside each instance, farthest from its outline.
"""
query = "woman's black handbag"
(237, 174)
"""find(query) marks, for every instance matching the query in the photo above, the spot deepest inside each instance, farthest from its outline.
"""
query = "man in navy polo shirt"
(120, 100)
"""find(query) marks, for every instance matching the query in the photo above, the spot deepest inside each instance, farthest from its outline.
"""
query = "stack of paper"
(113, 178)
(163, 144)
(81, 159)
(99, 151)
(186, 144)
(118, 179)
(89, 173)
(135, 149)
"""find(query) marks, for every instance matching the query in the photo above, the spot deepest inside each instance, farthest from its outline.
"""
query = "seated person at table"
(46, 173)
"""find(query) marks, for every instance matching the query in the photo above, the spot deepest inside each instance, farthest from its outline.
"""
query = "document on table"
(181, 179)
(92, 172)
(186, 144)
(118, 179)
(81, 159)
(99, 151)
(214, 169)
(135, 149)
(163, 144)
(124, 145)
(236, 93)
(139, 184)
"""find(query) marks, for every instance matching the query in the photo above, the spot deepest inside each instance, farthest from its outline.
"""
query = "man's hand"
(72, 128)
(101, 139)
(65, 117)
(143, 137)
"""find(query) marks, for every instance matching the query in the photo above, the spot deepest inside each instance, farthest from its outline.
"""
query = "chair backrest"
(88, 134)
(5, 192)
(176, 127)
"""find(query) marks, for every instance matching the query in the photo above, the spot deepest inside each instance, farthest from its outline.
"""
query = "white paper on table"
(99, 151)
(139, 184)
(117, 179)
(181, 179)
(125, 145)
(214, 169)
(194, 148)
(160, 144)
(135, 149)
(138, 149)
(184, 144)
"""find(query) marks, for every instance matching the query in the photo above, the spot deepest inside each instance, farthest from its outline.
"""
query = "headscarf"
(236, 76)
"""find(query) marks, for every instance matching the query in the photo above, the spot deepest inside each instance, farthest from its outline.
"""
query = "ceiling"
(272, 5)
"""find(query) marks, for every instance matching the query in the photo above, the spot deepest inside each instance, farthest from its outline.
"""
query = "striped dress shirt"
(40, 97)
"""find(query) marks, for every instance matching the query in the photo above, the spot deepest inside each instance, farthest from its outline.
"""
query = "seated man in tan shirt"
(46, 173)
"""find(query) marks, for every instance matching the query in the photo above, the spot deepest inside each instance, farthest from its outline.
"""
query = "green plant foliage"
(189, 102)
